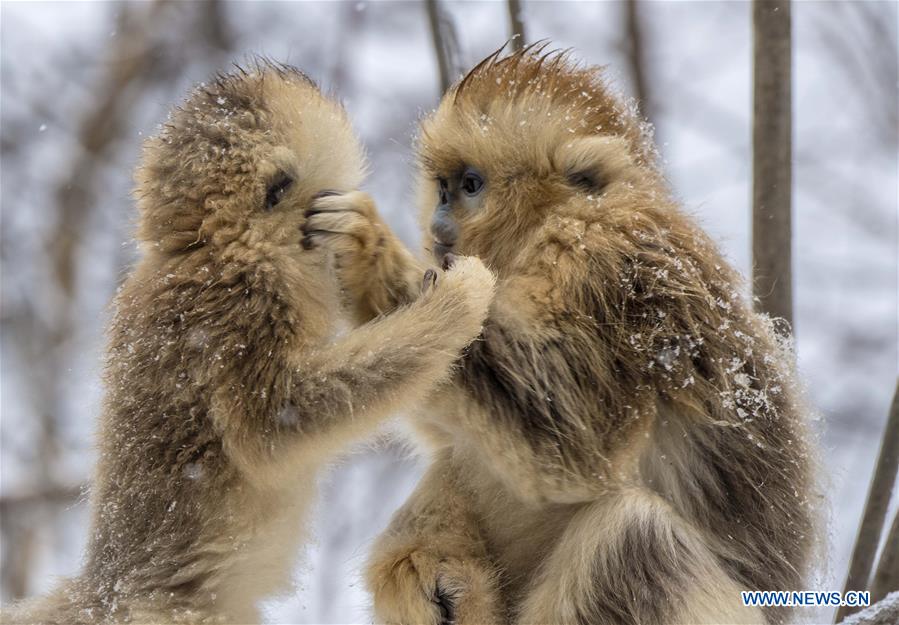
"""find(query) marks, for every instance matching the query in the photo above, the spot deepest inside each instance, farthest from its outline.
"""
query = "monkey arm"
(325, 397)
(398, 356)
(431, 564)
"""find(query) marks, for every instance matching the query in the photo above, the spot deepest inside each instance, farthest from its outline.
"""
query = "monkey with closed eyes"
(224, 389)
(625, 443)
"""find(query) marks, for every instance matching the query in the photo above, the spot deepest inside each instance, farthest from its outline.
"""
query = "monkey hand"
(374, 268)
(414, 585)
(463, 294)
(348, 225)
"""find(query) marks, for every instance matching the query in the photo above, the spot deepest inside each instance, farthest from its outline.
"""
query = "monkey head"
(241, 159)
(517, 139)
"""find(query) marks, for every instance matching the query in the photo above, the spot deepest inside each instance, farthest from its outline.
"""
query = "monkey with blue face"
(625, 443)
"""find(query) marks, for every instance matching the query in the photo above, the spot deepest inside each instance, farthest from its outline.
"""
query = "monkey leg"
(629, 559)
(374, 267)
(431, 565)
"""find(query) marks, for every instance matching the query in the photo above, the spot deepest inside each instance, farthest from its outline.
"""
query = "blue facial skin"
(443, 226)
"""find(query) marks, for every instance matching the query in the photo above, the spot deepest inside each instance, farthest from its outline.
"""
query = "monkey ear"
(594, 161)
(281, 159)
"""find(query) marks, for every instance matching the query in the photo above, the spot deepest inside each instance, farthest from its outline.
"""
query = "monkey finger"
(328, 219)
(429, 280)
(337, 223)
(319, 233)
(325, 193)
(446, 606)
(353, 201)
(314, 210)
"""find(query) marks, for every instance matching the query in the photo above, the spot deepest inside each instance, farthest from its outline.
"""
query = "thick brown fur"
(225, 390)
(625, 443)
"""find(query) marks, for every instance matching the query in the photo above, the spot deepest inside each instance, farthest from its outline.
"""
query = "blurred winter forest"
(84, 83)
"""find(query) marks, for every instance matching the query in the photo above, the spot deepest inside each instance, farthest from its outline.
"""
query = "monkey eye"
(585, 180)
(472, 182)
(277, 189)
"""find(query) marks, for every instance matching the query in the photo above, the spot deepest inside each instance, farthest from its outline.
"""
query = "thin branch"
(636, 48)
(875, 508)
(516, 24)
(446, 45)
(58, 495)
(129, 60)
(886, 578)
(20, 532)
(214, 25)
(771, 159)
(351, 20)
(15, 571)
(855, 35)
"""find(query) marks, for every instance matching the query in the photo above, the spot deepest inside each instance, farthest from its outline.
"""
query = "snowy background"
(83, 83)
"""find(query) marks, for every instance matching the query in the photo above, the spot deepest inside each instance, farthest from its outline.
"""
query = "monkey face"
(242, 159)
(521, 138)
(457, 194)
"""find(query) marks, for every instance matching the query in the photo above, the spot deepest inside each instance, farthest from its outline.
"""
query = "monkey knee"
(417, 585)
(402, 587)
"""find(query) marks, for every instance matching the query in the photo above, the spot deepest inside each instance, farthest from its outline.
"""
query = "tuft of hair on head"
(541, 77)
(525, 63)
(229, 96)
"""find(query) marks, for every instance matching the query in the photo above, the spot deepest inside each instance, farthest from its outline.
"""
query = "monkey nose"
(444, 229)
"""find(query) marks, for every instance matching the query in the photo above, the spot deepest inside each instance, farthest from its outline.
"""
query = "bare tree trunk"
(129, 59)
(771, 159)
(351, 21)
(886, 578)
(636, 49)
(516, 24)
(17, 563)
(214, 25)
(875, 509)
(446, 45)
(20, 531)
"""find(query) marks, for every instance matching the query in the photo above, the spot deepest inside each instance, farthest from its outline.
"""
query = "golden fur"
(625, 444)
(225, 391)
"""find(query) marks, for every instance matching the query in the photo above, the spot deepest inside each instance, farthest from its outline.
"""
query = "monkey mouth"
(441, 249)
